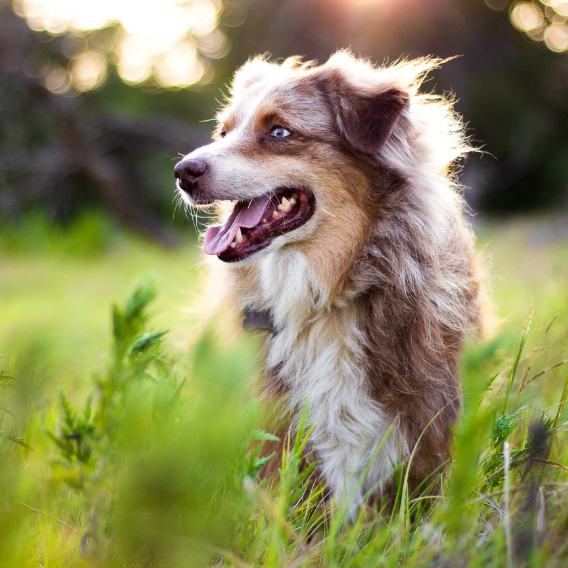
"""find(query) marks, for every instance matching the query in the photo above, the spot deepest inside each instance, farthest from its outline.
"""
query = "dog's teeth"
(264, 220)
(285, 205)
(233, 244)
(239, 236)
(275, 213)
(295, 195)
(293, 201)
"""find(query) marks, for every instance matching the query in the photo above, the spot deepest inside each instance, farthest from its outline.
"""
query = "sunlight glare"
(89, 70)
(556, 38)
(543, 21)
(154, 39)
(559, 6)
(526, 16)
(135, 60)
(180, 66)
(204, 17)
(215, 44)
(57, 80)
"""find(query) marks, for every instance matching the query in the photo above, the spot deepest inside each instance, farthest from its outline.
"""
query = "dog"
(342, 238)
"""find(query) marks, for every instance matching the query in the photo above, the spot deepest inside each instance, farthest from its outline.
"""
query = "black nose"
(187, 171)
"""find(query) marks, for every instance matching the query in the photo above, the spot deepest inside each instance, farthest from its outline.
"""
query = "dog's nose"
(187, 171)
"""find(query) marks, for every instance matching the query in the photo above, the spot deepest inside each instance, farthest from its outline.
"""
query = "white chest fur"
(320, 356)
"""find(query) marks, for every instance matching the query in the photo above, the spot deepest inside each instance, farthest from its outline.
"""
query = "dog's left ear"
(367, 120)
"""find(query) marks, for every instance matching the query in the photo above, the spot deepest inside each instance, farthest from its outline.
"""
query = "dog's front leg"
(356, 448)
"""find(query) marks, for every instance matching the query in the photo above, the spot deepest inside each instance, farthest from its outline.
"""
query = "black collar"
(259, 319)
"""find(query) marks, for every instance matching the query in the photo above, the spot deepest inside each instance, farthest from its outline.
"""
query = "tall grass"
(147, 454)
(157, 466)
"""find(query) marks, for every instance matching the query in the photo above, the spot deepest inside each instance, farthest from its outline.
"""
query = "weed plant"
(158, 467)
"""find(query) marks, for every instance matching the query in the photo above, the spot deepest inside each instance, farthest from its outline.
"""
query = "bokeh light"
(544, 20)
(556, 38)
(180, 66)
(526, 16)
(497, 4)
(165, 42)
(89, 70)
(57, 79)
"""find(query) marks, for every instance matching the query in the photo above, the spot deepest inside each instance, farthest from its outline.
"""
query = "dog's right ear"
(367, 121)
(366, 111)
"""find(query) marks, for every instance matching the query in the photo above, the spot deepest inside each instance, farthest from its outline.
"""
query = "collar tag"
(259, 319)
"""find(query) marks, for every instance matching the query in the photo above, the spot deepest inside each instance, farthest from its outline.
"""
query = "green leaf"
(19, 441)
(4, 408)
(262, 435)
(139, 299)
(259, 463)
(146, 341)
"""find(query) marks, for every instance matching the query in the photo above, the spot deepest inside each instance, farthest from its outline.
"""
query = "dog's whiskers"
(324, 210)
(177, 201)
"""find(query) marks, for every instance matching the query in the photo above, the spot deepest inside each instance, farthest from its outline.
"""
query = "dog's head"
(305, 157)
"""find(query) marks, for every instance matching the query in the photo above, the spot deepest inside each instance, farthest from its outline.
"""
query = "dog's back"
(370, 282)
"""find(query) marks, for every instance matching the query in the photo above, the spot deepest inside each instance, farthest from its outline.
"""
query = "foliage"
(89, 234)
(148, 451)
(161, 462)
(5, 429)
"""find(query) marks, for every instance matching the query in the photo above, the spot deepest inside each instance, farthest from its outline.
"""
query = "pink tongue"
(245, 215)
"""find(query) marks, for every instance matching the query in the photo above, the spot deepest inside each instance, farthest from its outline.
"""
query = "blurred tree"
(90, 113)
(61, 152)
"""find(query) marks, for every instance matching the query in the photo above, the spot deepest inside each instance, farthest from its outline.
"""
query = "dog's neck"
(283, 291)
(315, 349)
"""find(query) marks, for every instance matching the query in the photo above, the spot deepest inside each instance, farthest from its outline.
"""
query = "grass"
(57, 287)
(145, 450)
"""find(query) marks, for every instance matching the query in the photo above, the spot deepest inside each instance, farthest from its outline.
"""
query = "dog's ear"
(365, 102)
(367, 120)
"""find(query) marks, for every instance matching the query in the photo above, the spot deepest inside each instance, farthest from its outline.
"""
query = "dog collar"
(259, 319)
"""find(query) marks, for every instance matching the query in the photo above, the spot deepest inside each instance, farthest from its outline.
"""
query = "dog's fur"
(375, 293)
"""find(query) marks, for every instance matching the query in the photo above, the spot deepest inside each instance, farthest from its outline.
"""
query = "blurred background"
(99, 99)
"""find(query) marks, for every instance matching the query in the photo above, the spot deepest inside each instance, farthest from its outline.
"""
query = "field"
(123, 445)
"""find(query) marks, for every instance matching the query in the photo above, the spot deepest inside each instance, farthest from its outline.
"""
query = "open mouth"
(253, 224)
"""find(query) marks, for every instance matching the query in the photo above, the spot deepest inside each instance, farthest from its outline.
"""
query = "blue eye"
(280, 132)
